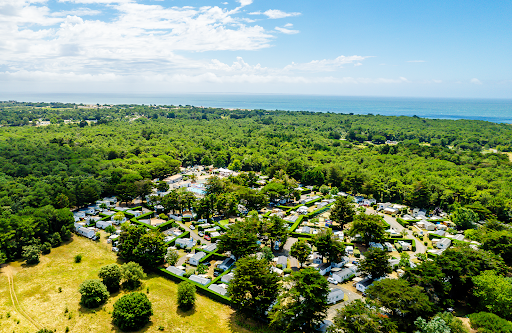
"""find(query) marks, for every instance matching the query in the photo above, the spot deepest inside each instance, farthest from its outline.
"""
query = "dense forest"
(92, 151)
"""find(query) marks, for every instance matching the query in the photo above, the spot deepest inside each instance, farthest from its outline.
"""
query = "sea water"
(495, 110)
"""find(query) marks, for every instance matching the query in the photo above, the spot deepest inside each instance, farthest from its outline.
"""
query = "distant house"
(377, 245)
(342, 263)
(226, 264)
(90, 210)
(349, 250)
(194, 260)
(429, 226)
(303, 210)
(405, 246)
(442, 233)
(335, 295)
(390, 210)
(103, 224)
(344, 274)
(227, 277)
(200, 279)
(185, 243)
(135, 213)
(219, 289)
(211, 248)
(116, 222)
(87, 232)
(215, 234)
(363, 284)
(306, 230)
(388, 246)
(324, 268)
(174, 179)
(283, 261)
(79, 214)
(176, 270)
(444, 243)
(224, 172)
(459, 237)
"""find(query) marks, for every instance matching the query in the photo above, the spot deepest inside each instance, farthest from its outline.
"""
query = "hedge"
(319, 211)
(297, 223)
(199, 287)
(169, 243)
(166, 225)
(219, 277)
(134, 220)
(402, 222)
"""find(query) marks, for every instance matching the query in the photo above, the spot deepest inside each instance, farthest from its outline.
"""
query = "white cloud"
(416, 61)
(225, 3)
(325, 65)
(288, 25)
(78, 12)
(475, 81)
(244, 3)
(275, 14)
(287, 31)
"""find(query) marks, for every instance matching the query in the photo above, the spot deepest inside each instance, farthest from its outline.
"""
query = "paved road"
(294, 263)
(420, 247)
(194, 235)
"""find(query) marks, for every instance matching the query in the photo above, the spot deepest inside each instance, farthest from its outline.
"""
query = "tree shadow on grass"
(187, 313)
(239, 323)
(142, 330)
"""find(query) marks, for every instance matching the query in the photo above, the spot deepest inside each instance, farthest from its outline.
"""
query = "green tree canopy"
(132, 312)
(94, 293)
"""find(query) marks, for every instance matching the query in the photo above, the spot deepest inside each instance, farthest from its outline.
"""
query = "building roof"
(175, 270)
(335, 291)
(282, 260)
(218, 289)
(366, 282)
(199, 279)
(198, 255)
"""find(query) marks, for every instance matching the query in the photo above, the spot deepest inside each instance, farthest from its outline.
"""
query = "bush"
(110, 229)
(287, 271)
(357, 253)
(486, 322)
(132, 312)
(111, 276)
(46, 248)
(163, 217)
(94, 293)
(78, 258)
(31, 254)
(55, 239)
(186, 295)
(189, 273)
(132, 274)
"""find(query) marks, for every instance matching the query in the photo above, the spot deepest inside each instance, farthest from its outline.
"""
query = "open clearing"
(40, 304)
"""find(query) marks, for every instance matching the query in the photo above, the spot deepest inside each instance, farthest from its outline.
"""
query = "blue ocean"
(494, 110)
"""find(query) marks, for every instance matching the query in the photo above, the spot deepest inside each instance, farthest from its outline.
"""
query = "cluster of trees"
(138, 244)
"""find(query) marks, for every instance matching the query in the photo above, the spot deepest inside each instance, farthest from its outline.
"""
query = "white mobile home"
(335, 295)
(363, 284)
(349, 250)
(186, 243)
(405, 246)
(227, 277)
(176, 270)
(135, 213)
(444, 243)
(87, 232)
(194, 260)
(324, 268)
(200, 279)
(103, 224)
(344, 274)
(219, 289)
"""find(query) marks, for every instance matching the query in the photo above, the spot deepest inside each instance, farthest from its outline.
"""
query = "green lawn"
(37, 289)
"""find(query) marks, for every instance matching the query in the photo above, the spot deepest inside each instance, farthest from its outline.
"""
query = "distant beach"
(495, 110)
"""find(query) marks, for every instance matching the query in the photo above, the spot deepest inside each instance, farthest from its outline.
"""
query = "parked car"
(207, 237)
(192, 227)
(200, 233)
(332, 280)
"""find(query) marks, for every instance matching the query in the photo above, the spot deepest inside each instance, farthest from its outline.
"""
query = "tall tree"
(300, 250)
(370, 227)
(240, 240)
(151, 249)
(342, 211)
(254, 287)
(494, 293)
(360, 317)
(375, 263)
(302, 303)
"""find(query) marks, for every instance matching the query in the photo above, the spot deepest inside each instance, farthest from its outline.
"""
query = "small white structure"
(210, 248)
(200, 279)
(324, 268)
(103, 224)
(219, 289)
(194, 260)
(342, 263)
(390, 211)
(224, 172)
(405, 246)
(135, 213)
(87, 232)
(335, 295)
(444, 243)
(226, 264)
(442, 233)
(215, 234)
(306, 230)
(429, 226)
(459, 237)
(176, 270)
(349, 250)
(79, 214)
(174, 179)
(388, 246)
(344, 274)
(363, 284)
(116, 222)
(376, 245)
(227, 277)
(185, 243)
(303, 210)
(283, 261)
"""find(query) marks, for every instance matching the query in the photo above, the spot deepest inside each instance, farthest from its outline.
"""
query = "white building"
(344, 274)
(200, 279)
(87, 232)
(363, 284)
(405, 246)
(185, 243)
(211, 248)
(226, 278)
(194, 260)
(444, 243)
(219, 289)
(176, 270)
(335, 295)
(324, 268)
(103, 224)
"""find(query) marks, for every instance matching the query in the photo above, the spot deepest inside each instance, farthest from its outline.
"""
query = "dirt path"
(10, 272)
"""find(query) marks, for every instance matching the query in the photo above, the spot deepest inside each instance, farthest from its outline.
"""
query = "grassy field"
(39, 296)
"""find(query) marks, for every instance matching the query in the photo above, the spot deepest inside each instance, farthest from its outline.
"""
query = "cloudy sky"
(449, 48)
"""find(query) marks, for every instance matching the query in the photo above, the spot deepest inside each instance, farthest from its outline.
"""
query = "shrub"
(132, 312)
(486, 322)
(202, 269)
(189, 273)
(94, 293)
(46, 248)
(110, 229)
(78, 258)
(55, 239)
(163, 217)
(287, 271)
(186, 295)
(111, 276)
(132, 274)
(31, 254)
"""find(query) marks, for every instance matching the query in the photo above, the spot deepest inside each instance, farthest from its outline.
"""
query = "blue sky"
(365, 48)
